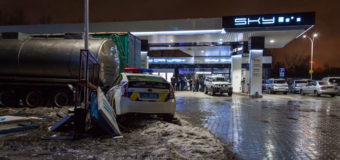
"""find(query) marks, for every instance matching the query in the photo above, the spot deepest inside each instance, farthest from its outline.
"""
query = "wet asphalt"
(273, 127)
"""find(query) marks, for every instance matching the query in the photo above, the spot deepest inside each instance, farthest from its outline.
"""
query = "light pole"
(311, 55)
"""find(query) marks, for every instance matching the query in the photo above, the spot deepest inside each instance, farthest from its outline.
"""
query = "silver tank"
(55, 58)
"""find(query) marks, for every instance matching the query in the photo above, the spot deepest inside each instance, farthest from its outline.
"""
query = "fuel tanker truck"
(43, 71)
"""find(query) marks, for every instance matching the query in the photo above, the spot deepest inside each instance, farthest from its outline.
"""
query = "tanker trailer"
(40, 71)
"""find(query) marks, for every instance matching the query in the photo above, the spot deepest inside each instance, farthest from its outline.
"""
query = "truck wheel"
(8, 99)
(230, 93)
(33, 99)
(1, 104)
(61, 99)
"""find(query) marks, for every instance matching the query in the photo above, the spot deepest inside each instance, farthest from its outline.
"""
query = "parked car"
(318, 88)
(276, 85)
(217, 84)
(142, 93)
(297, 85)
(333, 80)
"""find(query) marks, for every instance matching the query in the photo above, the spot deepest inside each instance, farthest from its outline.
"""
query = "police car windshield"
(218, 79)
(147, 82)
(146, 78)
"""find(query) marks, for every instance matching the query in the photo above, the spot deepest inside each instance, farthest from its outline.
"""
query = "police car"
(135, 91)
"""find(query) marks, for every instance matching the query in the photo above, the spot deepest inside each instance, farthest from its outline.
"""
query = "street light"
(311, 57)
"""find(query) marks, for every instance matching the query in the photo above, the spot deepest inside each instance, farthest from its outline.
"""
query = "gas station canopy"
(278, 29)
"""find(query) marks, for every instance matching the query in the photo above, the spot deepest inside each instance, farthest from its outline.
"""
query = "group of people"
(183, 83)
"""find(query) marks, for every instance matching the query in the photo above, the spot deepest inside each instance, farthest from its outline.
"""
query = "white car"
(276, 85)
(217, 84)
(333, 80)
(319, 87)
(142, 93)
(298, 84)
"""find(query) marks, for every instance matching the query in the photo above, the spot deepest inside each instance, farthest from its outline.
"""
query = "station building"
(232, 46)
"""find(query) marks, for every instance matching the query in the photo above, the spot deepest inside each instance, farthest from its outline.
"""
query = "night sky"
(327, 45)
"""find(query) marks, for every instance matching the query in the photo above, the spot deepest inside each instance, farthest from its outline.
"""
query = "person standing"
(197, 84)
(177, 83)
(173, 82)
(201, 83)
(182, 84)
(194, 83)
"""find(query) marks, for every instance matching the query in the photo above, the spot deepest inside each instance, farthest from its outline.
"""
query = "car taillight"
(125, 93)
(322, 88)
(172, 93)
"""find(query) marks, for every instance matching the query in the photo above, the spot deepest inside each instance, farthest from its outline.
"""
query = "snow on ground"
(144, 137)
(185, 141)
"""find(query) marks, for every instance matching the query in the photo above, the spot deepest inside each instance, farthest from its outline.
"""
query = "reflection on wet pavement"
(273, 127)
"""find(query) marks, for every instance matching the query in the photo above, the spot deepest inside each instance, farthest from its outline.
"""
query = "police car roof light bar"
(137, 70)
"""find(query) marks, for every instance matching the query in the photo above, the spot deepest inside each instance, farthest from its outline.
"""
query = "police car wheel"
(168, 117)
(113, 105)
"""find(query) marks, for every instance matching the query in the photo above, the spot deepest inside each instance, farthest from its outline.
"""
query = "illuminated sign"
(269, 20)
(175, 60)
(160, 60)
(210, 60)
(225, 60)
(168, 60)
(202, 72)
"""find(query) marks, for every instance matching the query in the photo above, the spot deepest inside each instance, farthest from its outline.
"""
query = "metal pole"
(86, 33)
(311, 61)
(86, 24)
